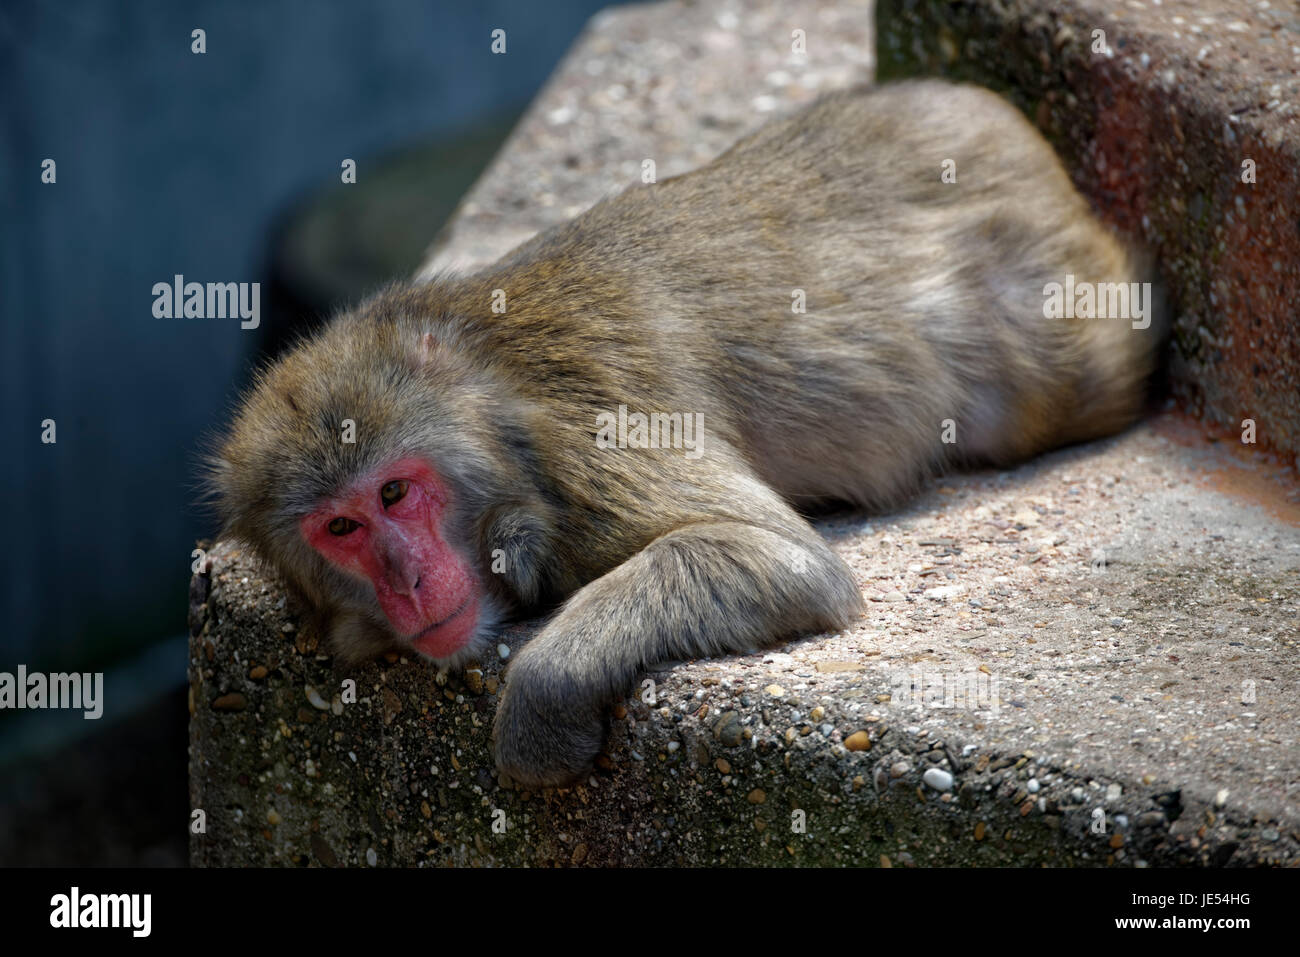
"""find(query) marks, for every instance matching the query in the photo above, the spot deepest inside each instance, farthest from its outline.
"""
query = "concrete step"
(1181, 121)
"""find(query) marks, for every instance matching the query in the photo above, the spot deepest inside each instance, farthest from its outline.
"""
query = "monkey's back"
(923, 298)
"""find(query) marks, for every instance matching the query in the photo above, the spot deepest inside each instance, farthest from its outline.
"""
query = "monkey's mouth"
(444, 638)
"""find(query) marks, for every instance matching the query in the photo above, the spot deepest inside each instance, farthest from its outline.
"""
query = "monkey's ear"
(428, 349)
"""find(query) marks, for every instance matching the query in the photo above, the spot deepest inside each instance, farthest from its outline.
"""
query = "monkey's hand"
(548, 729)
(704, 589)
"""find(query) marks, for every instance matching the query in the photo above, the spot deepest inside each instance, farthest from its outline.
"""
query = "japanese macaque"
(622, 419)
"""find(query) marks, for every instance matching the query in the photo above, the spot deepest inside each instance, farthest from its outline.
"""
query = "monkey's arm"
(703, 589)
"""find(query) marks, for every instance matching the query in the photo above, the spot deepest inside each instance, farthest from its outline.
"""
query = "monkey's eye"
(342, 526)
(393, 492)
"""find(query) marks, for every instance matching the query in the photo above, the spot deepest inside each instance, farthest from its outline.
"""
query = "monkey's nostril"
(418, 579)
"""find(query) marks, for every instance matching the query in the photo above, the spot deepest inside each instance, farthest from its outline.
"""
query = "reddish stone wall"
(1159, 117)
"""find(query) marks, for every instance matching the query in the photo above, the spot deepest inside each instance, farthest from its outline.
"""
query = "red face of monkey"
(387, 527)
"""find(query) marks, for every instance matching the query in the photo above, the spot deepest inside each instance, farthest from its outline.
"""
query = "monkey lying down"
(427, 464)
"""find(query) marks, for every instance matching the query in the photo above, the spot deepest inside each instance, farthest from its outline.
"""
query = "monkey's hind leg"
(703, 589)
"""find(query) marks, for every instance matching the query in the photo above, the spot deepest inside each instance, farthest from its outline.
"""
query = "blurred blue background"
(170, 162)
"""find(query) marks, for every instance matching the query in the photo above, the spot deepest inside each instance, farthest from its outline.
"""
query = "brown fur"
(924, 303)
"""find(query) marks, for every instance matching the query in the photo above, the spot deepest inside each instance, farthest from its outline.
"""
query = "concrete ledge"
(1113, 606)
(1125, 613)
(1156, 116)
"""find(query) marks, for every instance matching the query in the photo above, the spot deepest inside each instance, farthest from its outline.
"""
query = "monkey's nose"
(404, 581)
(403, 584)
(402, 570)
